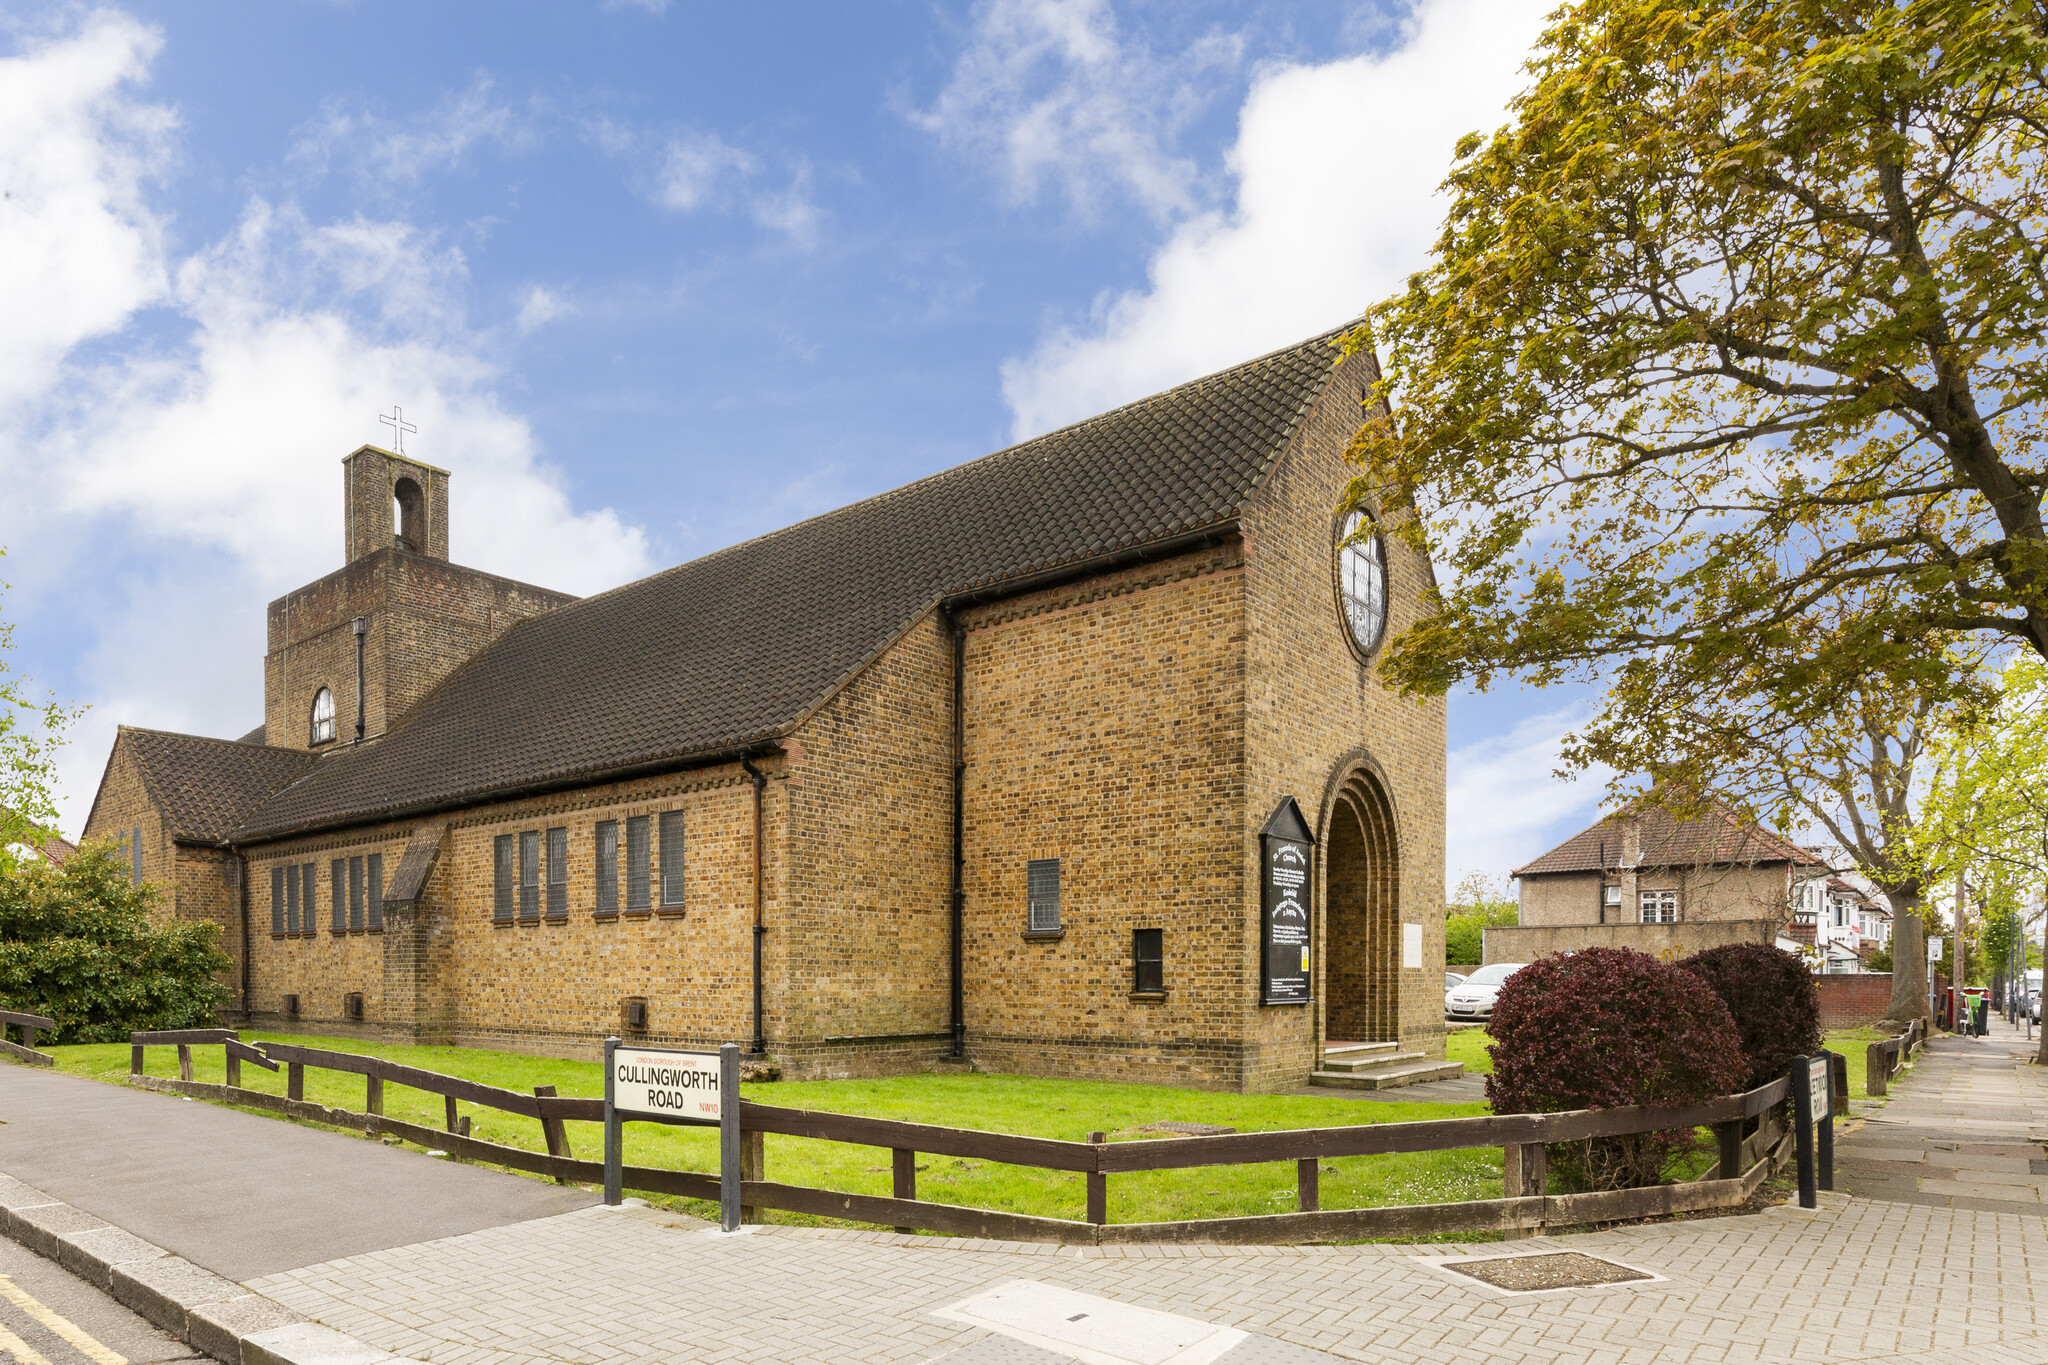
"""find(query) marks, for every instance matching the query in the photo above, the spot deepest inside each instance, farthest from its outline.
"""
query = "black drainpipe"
(760, 929)
(362, 628)
(959, 846)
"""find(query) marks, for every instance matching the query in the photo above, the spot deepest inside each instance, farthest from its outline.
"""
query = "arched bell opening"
(409, 515)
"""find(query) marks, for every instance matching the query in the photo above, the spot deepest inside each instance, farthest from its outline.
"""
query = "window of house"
(1660, 907)
(323, 716)
(607, 867)
(637, 869)
(355, 894)
(1614, 895)
(373, 877)
(337, 895)
(501, 894)
(529, 874)
(558, 871)
(307, 875)
(1042, 895)
(1148, 955)
(671, 859)
(291, 900)
(277, 900)
(1362, 580)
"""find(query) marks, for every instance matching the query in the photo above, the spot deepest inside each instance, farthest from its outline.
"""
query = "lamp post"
(361, 626)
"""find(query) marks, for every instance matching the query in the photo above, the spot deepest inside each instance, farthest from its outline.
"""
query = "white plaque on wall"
(1411, 945)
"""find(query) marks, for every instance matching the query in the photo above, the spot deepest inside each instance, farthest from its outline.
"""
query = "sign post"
(660, 1085)
(1812, 1085)
(1286, 891)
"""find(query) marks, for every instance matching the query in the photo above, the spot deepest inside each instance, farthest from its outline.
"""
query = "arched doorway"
(1361, 920)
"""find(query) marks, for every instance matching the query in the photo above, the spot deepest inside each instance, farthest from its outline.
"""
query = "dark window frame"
(605, 842)
(639, 865)
(1042, 876)
(309, 877)
(373, 878)
(674, 861)
(1148, 951)
(356, 923)
(501, 879)
(337, 895)
(557, 845)
(529, 874)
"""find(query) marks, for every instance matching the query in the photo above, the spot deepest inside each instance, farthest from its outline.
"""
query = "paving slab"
(242, 1194)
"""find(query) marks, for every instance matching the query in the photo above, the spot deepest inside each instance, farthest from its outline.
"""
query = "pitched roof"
(736, 648)
(208, 786)
(1716, 838)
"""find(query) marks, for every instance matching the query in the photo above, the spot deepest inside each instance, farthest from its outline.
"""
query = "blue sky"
(652, 278)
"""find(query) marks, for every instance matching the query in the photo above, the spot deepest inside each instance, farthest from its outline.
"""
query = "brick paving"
(1966, 1129)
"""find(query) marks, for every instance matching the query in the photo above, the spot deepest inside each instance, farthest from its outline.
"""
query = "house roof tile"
(1717, 837)
(208, 786)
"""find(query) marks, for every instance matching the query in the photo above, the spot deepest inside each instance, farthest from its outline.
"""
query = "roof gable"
(736, 648)
(1717, 837)
(205, 787)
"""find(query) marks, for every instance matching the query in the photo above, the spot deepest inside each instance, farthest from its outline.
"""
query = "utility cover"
(1553, 1270)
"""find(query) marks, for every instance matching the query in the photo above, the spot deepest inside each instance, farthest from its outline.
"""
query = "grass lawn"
(1005, 1104)
(1854, 1045)
(1469, 1045)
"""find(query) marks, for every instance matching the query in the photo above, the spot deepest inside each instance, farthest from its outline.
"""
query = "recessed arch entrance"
(1362, 912)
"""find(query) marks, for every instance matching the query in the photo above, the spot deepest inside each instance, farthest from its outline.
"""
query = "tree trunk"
(1909, 959)
(2042, 1055)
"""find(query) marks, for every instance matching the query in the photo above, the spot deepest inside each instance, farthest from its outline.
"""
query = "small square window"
(1614, 895)
(1148, 953)
(1042, 895)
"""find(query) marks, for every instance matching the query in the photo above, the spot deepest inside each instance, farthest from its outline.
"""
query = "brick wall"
(426, 617)
(1851, 1000)
(1704, 893)
(1318, 719)
(1669, 942)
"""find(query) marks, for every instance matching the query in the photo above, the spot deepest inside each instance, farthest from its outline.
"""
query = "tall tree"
(1723, 387)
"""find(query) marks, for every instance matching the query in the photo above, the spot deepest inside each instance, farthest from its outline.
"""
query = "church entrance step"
(1359, 1049)
(1368, 1061)
(1406, 1073)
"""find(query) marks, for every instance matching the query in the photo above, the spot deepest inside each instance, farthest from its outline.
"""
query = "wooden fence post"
(556, 1135)
(234, 1071)
(1098, 1189)
(1308, 1183)
(753, 1162)
(1729, 1138)
(451, 1112)
(295, 1080)
(184, 1061)
(373, 1094)
(1877, 1065)
(135, 1060)
(904, 1179)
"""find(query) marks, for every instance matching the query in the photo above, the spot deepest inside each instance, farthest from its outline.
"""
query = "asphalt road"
(66, 1321)
(241, 1194)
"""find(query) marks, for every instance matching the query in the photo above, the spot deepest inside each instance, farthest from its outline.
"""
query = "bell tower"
(393, 502)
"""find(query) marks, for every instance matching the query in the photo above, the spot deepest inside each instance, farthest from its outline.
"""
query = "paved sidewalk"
(242, 1194)
(1966, 1128)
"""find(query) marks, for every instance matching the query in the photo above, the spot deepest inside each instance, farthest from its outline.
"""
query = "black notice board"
(1286, 891)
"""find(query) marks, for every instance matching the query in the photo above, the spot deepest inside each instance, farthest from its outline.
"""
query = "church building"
(1066, 761)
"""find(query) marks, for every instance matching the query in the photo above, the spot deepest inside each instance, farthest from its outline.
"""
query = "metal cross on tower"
(395, 419)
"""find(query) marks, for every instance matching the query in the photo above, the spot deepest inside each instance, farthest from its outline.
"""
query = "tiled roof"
(208, 786)
(1718, 837)
(255, 736)
(1801, 931)
(736, 648)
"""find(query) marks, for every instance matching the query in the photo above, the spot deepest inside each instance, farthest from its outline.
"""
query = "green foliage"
(78, 945)
(1478, 903)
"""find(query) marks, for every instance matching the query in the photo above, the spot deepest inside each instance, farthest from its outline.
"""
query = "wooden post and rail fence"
(30, 1025)
(1884, 1058)
(1750, 1134)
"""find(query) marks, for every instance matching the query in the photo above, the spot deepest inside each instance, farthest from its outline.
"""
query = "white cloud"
(1336, 168)
(203, 455)
(540, 307)
(1505, 804)
(696, 169)
(80, 248)
(1052, 90)
(399, 151)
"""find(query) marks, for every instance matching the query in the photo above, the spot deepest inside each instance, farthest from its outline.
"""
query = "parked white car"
(1452, 980)
(1472, 998)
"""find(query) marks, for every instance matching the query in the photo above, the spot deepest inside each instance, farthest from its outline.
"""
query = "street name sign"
(668, 1084)
(1818, 1091)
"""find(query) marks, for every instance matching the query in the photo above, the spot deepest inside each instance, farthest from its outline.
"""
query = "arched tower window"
(323, 716)
(409, 515)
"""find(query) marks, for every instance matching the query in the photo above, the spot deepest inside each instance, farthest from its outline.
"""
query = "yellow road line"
(21, 1350)
(63, 1328)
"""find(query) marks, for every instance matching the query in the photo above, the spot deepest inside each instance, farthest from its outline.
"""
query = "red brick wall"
(1848, 1001)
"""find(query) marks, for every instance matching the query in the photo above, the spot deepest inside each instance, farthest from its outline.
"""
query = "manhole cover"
(1552, 1270)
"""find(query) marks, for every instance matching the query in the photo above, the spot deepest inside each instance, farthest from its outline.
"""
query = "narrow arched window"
(1362, 580)
(323, 716)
